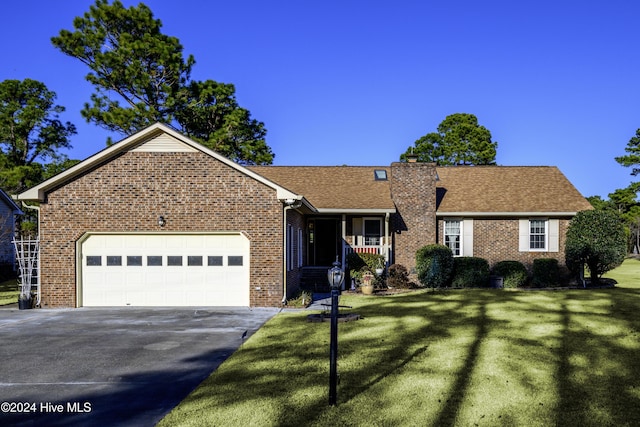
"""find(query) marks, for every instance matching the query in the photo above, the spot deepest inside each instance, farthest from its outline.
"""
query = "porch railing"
(379, 249)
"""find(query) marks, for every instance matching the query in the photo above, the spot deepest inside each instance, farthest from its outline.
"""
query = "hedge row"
(437, 267)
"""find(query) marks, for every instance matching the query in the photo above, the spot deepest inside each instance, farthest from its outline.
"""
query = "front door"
(324, 241)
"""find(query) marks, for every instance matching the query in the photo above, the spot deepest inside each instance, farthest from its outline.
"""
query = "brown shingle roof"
(333, 187)
(507, 189)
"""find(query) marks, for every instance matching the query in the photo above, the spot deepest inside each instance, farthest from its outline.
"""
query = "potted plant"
(379, 267)
(367, 282)
(24, 298)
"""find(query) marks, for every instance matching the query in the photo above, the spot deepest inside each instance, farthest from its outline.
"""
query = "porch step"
(315, 279)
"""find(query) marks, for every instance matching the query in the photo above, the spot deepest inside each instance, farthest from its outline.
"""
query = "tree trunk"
(593, 271)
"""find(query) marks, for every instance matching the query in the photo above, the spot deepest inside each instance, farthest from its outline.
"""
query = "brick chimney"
(413, 190)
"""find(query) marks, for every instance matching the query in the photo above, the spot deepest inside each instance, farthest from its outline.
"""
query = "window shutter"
(467, 242)
(554, 235)
(524, 235)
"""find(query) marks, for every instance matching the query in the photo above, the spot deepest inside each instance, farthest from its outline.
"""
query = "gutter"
(504, 214)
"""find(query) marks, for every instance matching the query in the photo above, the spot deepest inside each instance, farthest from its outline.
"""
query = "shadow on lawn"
(599, 361)
(587, 354)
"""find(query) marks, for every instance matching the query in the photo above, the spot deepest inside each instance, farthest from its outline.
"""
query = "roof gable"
(157, 137)
(506, 189)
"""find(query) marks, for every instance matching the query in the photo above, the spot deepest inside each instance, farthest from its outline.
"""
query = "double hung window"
(453, 236)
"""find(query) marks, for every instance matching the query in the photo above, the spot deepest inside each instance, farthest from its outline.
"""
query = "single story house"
(8, 213)
(160, 220)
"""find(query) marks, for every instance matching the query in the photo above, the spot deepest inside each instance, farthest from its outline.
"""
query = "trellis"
(28, 258)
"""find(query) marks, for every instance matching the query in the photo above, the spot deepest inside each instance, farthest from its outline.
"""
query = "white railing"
(379, 249)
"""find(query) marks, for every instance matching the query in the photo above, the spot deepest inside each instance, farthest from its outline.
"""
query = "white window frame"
(460, 223)
(551, 238)
(545, 242)
(364, 230)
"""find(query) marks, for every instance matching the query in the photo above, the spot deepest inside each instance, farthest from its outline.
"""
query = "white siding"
(164, 144)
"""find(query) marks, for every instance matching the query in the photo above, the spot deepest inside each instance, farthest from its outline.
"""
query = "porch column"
(344, 244)
(386, 239)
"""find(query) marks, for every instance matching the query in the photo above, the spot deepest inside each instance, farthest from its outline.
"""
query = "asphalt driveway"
(124, 366)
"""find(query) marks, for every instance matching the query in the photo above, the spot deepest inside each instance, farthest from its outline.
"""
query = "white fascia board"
(503, 214)
(355, 211)
(38, 192)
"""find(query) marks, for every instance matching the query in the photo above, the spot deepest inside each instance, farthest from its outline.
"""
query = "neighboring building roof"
(335, 188)
(506, 189)
(157, 137)
(4, 197)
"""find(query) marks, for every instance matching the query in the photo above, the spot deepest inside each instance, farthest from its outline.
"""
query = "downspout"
(288, 204)
(37, 209)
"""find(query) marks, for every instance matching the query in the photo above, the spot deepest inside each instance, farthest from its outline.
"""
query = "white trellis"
(28, 257)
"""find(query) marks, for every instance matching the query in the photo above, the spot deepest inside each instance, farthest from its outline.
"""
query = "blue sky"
(357, 82)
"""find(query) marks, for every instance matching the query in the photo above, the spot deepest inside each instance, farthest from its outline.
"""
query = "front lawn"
(9, 292)
(464, 357)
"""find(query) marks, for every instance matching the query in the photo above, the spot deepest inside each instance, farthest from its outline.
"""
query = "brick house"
(158, 219)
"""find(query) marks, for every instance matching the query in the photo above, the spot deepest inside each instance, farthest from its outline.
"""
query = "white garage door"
(165, 270)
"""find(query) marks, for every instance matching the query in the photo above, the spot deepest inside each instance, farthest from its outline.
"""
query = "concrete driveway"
(123, 366)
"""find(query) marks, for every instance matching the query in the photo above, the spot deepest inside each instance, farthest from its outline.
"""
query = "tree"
(459, 140)
(632, 159)
(141, 77)
(598, 239)
(216, 120)
(30, 132)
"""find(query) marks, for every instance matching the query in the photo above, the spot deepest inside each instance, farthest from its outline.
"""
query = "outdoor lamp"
(161, 221)
(335, 276)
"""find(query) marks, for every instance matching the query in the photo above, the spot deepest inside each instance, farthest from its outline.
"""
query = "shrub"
(359, 263)
(514, 273)
(470, 272)
(303, 298)
(398, 277)
(597, 239)
(546, 273)
(434, 265)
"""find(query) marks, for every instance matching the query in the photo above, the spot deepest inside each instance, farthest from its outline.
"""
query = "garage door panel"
(165, 270)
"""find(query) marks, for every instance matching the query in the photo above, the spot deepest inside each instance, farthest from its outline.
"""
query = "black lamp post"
(336, 277)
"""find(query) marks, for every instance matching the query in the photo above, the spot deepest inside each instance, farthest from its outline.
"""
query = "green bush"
(514, 273)
(434, 265)
(598, 239)
(359, 263)
(470, 272)
(546, 273)
(398, 277)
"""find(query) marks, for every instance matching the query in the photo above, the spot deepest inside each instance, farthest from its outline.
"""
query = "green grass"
(445, 358)
(9, 292)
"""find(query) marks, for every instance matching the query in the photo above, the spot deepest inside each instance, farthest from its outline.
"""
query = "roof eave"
(504, 214)
(358, 211)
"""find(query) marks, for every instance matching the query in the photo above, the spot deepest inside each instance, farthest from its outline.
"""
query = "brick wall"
(413, 190)
(193, 191)
(497, 239)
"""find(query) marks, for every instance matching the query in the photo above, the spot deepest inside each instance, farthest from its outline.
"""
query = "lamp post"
(335, 276)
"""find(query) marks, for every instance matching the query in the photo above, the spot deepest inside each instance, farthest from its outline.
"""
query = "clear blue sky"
(357, 82)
